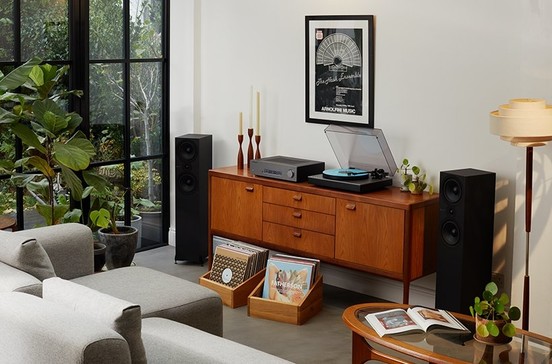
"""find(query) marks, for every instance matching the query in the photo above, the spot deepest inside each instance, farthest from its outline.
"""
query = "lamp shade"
(523, 122)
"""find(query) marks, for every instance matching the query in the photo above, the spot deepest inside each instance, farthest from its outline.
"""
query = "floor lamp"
(524, 123)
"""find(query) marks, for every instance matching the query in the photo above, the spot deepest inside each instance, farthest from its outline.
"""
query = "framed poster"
(340, 70)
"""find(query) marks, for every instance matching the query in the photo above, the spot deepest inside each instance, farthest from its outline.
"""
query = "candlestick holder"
(258, 151)
(250, 146)
(240, 151)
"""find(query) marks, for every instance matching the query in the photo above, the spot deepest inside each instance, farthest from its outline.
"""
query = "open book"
(414, 319)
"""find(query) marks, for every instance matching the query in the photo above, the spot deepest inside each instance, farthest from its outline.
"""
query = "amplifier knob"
(290, 173)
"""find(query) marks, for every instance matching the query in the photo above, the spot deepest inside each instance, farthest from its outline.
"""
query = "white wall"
(441, 66)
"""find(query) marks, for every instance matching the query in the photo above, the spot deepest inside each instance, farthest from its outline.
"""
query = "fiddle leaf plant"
(494, 307)
(33, 107)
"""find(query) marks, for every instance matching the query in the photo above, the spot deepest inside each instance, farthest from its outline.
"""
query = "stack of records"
(234, 262)
(289, 278)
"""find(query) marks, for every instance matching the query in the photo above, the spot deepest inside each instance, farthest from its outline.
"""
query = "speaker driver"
(186, 183)
(450, 233)
(187, 151)
(453, 191)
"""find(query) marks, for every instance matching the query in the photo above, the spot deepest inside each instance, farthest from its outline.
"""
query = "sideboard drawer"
(306, 241)
(306, 201)
(299, 218)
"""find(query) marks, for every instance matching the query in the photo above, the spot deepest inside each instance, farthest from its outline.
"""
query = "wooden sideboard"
(386, 232)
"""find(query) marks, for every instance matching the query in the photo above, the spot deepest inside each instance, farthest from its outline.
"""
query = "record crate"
(233, 297)
(291, 313)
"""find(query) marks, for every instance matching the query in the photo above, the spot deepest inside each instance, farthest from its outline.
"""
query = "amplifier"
(286, 168)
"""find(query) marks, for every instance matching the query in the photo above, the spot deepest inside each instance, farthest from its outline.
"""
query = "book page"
(426, 317)
(391, 322)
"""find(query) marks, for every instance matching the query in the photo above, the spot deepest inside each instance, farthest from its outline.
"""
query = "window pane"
(107, 111)
(145, 28)
(106, 29)
(146, 199)
(7, 48)
(145, 118)
(44, 29)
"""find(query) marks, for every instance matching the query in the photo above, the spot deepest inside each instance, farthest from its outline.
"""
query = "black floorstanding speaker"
(465, 244)
(193, 159)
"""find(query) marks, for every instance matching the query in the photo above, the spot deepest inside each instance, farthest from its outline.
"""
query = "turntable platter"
(346, 174)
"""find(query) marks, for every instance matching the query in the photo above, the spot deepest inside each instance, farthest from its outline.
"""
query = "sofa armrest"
(35, 331)
(15, 280)
(70, 248)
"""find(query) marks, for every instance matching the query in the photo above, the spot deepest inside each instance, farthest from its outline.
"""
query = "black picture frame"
(340, 69)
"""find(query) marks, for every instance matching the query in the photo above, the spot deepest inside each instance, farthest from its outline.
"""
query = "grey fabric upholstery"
(13, 279)
(34, 331)
(168, 342)
(161, 295)
(121, 316)
(26, 254)
(69, 246)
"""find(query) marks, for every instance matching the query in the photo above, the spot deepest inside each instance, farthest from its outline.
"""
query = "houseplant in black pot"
(493, 318)
(120, 240)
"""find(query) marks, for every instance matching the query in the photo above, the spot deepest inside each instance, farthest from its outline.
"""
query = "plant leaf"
(100, 217)
(492, 328)
(37, 76)
(492, 287)
(18, 76)
(27, 136)
(80, 140)
(42, 165)
(514, 313)
(71, 156)
(482, 330)
(50, 116)
(509, 330)
(46, 212)
(73, 182)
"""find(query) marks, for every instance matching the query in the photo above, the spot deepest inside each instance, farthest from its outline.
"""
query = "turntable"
(365, 159)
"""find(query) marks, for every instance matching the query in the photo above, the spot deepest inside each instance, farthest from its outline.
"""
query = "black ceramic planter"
(120, 247)
(99, 256)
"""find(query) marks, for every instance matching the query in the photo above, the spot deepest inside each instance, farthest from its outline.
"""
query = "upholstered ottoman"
(161, 295)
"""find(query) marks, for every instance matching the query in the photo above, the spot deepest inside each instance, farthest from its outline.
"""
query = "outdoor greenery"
(45, 32)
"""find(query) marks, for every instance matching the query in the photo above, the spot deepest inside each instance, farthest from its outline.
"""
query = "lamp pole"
(528, 213)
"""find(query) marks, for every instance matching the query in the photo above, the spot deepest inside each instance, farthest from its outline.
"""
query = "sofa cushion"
(165, 344)
(26, 254)
(33, 330)
(122, 316)
(161, 295)
(15, 280)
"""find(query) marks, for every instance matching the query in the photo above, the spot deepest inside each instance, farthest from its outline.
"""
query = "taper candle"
(258, 113)
(251, 107)
(241, 123)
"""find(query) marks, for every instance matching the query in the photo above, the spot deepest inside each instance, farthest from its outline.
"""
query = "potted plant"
(493, 318)
(413, 179)
(33, 106)
(120, 241)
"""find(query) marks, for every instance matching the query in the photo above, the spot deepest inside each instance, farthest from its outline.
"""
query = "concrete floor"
(322, 339)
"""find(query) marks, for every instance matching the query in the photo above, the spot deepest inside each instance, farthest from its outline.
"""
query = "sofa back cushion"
(33, 330)
(26, 254)
(122, 316)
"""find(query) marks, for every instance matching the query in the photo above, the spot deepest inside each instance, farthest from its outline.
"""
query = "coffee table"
(438, 347)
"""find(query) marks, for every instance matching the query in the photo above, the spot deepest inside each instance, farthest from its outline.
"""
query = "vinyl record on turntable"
(345, 174)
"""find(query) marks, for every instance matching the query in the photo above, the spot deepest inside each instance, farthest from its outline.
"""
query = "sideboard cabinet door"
(370, 235)
(236, 208)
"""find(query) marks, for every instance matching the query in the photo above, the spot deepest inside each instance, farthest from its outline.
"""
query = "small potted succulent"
(493, 318)
(413, 179)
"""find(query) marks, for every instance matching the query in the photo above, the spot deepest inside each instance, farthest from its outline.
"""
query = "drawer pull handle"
(351, 206)
(249, 188)
(297, 214)
(297, 197)
(297, 234)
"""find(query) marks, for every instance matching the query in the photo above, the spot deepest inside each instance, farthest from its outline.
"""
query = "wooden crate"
(296, 314)
(233, 297)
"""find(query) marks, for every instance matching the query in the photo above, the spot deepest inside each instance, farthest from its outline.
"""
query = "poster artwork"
(338, 71)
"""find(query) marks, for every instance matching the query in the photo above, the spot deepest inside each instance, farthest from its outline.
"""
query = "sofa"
(54, 308)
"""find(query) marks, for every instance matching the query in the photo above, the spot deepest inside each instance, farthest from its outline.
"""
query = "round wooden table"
(7, 222)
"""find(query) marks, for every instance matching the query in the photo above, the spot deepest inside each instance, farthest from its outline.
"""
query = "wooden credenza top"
(389, 196)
